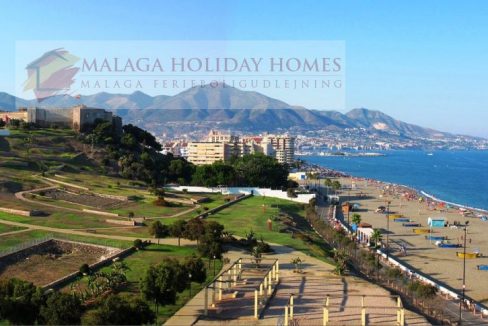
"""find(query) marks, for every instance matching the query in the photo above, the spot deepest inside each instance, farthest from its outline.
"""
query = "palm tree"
(356, 219)
(341, 258)
(376, 237)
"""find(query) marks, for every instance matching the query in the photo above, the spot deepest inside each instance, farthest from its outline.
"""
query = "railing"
(25, 245)
(289, 316)
(229, 277)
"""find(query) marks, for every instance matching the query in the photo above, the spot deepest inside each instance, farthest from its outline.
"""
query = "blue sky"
(423, 62)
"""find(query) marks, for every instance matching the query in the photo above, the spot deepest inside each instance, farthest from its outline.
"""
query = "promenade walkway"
(310, 289)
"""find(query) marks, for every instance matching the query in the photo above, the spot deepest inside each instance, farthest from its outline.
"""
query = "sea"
(458, 177)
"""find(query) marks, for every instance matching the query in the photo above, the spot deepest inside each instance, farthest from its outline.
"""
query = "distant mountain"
(227, 107)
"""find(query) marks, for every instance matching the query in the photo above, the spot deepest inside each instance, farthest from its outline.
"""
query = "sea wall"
(266, 192)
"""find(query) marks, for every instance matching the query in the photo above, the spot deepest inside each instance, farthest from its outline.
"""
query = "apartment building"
(283, 146)
(222, 146)
(200, 153)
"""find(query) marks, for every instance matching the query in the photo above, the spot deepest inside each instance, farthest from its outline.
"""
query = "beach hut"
(364, 234)
(437, 222)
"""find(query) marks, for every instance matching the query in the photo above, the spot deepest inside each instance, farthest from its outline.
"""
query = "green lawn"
(253, 213)
(13, 240)
(147, 208)
(61, 220)
(8, 228)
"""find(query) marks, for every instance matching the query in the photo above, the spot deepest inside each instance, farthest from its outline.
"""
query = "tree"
(177, 229)
(158, 230)
(259, 170)
(61, 309)
(119, 310)
(20, 301)
(138, 244)
(376, 237)
(210, 240)
(196, 267)
(163, 281)
(356, 218)
(336, 185)
(194, 229)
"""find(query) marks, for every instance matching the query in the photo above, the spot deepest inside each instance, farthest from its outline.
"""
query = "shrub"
(290, 193)
(138, 244)
(264, 247)
(85, 269)
(161, 202)
(426, 291)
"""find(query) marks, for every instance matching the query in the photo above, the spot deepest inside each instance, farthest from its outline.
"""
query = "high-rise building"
(200, 153)
(283, 146)
(207, 152)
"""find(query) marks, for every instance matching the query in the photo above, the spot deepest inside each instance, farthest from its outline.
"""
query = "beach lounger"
(469, 255)
(482, 267)
(421, 231)
(435, 238)
(401, 219)
(449, 245)
(410, 225)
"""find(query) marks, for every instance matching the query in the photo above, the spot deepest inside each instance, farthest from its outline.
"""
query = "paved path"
(15, 232)
(310, 290)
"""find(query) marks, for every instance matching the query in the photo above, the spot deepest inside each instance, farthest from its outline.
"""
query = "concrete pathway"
(310, 290)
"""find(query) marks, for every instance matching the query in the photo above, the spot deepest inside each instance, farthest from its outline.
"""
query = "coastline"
(420, 192)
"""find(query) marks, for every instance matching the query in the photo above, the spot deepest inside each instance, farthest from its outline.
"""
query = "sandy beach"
(421, 253)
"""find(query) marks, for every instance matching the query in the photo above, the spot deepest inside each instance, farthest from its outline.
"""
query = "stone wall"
(59, 283)
(92, 211)
(121, 222)
(16, 211)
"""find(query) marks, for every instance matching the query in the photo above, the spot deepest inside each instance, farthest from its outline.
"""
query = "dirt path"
(21, 196)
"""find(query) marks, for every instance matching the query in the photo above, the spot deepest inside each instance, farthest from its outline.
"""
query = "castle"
(78, 118)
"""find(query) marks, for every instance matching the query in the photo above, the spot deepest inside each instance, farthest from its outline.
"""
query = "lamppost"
(214, 257)
(189, 279)
(387, 229)
(464, 275)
